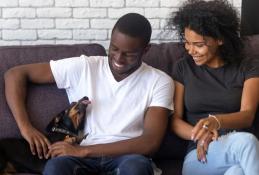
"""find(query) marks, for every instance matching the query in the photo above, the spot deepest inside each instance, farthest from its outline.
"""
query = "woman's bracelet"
(213, 116)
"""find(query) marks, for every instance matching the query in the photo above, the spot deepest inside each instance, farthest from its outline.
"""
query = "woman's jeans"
(236, 153)
(132, 164)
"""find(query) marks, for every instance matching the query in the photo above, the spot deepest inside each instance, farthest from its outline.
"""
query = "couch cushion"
(251, 44)
(169, 166)
(252, 51)
(164, 55)
(172, 147)
(43, 101)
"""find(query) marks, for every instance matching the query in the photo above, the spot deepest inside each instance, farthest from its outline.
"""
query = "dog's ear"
(56, 120)
(72, 104)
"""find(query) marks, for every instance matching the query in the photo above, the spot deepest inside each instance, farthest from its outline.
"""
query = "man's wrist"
(85, 151)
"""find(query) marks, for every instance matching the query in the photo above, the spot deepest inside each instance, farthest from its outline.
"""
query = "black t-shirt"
(212, 90)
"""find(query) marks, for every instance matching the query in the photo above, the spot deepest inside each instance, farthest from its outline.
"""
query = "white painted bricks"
(29, 22)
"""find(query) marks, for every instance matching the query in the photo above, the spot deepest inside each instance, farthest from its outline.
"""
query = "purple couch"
(46, 100)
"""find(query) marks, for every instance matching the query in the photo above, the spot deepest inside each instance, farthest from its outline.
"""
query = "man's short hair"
(134, 25)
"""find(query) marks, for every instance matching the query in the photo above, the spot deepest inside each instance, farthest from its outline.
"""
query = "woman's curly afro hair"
(217, 19)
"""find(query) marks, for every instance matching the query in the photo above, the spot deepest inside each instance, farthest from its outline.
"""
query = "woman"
(217, 91)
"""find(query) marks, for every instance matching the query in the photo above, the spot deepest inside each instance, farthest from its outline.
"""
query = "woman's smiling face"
(203, 49)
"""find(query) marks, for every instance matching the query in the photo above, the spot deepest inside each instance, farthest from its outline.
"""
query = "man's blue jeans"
(132, 164)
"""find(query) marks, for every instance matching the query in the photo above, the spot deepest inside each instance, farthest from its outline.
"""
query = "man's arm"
(155, 124)
(15, 91)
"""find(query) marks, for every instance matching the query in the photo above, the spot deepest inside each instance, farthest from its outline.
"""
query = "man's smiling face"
(125, 54)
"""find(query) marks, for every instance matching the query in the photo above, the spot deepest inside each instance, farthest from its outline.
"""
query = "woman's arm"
(249, 104)
(178, 125)
(236, 120)
(184, 129)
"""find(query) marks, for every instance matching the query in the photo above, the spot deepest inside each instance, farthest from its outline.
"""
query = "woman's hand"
(38, 142)
(204, 132)
(204, 126)
(202, 146)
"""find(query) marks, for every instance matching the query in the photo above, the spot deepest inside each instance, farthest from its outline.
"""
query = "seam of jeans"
(75, 169)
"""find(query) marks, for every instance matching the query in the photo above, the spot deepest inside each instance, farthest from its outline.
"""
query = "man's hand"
(64, 149)
(38, 142)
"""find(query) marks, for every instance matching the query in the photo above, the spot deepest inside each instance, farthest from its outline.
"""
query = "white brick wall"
(30, 22)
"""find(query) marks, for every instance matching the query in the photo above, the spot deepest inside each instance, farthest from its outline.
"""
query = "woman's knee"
(242, 141)
(246, 139)
(236, 170)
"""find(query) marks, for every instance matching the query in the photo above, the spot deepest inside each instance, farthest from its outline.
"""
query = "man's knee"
(57, 165)
(135, 165)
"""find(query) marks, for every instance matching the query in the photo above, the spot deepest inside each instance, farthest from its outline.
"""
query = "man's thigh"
(132, 164)
(70, 165)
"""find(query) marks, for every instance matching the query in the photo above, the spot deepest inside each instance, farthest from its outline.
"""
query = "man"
(130, 103)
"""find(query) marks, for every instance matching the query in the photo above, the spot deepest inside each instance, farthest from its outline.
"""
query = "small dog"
(67, 126)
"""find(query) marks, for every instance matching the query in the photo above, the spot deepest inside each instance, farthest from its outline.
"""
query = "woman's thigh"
(229, 150)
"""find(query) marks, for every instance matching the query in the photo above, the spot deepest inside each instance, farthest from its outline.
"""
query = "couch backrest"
(164, 55)
(252, 51)
(43, 101)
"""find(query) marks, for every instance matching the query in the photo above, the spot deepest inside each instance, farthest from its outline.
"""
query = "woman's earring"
(220, 42)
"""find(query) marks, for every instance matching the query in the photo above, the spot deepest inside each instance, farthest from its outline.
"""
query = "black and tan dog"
(68, 125)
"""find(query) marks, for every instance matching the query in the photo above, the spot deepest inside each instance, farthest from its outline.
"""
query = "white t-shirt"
(117, 109)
